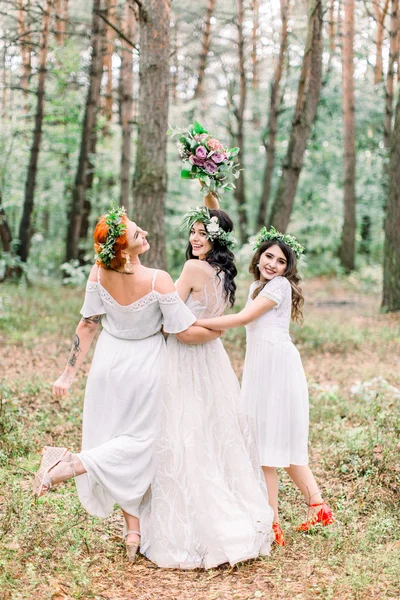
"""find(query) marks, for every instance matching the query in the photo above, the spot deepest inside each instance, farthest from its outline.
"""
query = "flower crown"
(213, 228)
(115, 230)
(272, 234)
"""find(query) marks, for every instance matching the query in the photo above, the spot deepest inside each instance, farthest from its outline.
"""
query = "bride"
(208, 503)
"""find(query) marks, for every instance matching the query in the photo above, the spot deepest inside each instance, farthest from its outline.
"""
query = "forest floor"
(51, 549)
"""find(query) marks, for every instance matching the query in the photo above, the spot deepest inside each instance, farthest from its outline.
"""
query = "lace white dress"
(274, 387)
(208, 503)
(123, 393)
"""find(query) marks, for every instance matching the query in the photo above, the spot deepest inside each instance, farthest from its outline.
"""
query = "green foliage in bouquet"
(208, 159)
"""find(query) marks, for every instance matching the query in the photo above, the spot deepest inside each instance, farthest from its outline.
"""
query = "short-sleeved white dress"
(123, 396)
(274, 388)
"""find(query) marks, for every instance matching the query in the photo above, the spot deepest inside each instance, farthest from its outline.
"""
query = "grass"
(51, 549)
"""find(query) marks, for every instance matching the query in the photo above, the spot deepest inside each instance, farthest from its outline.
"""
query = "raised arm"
(210, 200)
(248, 314)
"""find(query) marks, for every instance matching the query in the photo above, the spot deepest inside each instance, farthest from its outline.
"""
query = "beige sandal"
(51, 456)
(131, 549)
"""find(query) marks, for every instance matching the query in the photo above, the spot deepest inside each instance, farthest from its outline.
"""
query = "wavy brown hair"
(290, 273)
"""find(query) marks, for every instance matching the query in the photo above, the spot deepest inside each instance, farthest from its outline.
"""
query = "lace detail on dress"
(170, 298)
(279, 290)
(134, 306)
(91, 286)
(210, 301)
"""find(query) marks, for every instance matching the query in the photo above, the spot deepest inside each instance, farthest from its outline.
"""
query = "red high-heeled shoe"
(279, 537)
(323, 516)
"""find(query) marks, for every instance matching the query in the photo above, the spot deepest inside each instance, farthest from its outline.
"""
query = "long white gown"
(208, 503)
(123, 394)
(274, 386)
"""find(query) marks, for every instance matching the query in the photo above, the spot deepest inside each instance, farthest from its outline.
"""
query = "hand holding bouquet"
(208, 160)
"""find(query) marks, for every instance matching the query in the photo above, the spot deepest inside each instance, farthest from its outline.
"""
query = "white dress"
(208, 503)
(274, 387)
(122, 399)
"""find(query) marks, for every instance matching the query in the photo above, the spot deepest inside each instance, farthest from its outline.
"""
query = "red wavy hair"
(100, 237)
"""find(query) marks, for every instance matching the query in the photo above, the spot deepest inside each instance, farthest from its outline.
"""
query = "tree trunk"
(87, 204)
(25, 229)
(398, 52)
(380, 15)
(88, 131)
(305, 112)
(205, 47)
(61, 20)
(275, 102)
(108, 54)
(332, 43)
(391, 260)
(24, 45)
(393, 53)
(175, 71)
(347, 247)
(6, 238)
(4, 70)
(240, 195)
(150, 178)
(254, 61)
(126, 104)
(332, 34)
(5, 231)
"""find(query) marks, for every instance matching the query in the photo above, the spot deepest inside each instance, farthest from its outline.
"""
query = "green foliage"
(318, 213)
(74, 273)
(272, 234)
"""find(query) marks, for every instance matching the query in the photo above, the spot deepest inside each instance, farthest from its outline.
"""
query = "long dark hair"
(290, 273)
(220, 257)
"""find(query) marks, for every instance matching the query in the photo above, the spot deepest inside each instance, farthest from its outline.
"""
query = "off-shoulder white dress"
(123, 396)
(209, 504)
(274, 388)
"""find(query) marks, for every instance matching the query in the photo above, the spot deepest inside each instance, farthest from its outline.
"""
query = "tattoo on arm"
(92, 320)
(76, 348)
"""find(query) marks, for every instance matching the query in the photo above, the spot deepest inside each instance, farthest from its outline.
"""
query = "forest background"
(309, 91)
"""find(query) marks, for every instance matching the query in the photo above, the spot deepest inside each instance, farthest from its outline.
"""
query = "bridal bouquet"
(208, 160)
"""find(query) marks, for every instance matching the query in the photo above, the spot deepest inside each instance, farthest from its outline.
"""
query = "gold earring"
(128, 267)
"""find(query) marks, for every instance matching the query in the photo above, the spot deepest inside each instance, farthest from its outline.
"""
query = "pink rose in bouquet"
(201, 152)
(209, 160)
(214, 145)
(194, 160)
(218, 157)
(210, 167)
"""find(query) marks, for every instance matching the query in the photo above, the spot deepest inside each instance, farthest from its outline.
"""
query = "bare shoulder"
(93, 275)
(195, 267)
(164, 283)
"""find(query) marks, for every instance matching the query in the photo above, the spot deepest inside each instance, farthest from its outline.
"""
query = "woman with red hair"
(123, 391)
